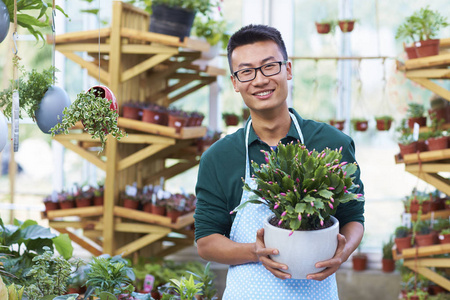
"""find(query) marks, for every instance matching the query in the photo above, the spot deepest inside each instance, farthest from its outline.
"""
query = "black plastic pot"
(173, 21)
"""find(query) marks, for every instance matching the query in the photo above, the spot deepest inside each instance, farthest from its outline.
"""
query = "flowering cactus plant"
(302, 188)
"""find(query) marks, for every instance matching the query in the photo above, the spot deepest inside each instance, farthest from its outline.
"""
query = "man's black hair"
(255, 33)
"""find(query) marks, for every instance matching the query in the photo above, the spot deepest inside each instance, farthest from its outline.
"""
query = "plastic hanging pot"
(50, 111)
(3, 131)
(105, 92)
(4, 21)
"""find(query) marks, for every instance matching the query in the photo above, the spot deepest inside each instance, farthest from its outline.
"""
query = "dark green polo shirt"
(222, 167)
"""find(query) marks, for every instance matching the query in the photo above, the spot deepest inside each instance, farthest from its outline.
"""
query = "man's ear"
(233, 80)
(289, 70)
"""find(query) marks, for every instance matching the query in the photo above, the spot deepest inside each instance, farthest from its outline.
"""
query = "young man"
(258, 63)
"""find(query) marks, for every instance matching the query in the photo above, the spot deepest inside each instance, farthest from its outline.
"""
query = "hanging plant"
(97, 110)
(39, 99)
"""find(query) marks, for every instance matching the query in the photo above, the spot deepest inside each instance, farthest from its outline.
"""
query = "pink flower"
(343, 163)
(340, 149)
(284, 213)
(332, 200)
(276, 205)
(331, 188)
(279, 222)
(291, 233)
(231, 212)
(283, 194)
(323, 155)
(299, 217)
(312, 204)
(270, 182)
(298, 180)
(359, 195)
(321, 222)
(331, 205)
(304, 191)
(267, 159)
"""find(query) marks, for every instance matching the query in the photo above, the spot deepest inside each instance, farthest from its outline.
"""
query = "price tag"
(15, 120)
(406, 220)
(148, 283)
(416, 132)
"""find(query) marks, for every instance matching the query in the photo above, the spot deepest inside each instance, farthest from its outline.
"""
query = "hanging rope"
(15, 96)
(98, 19)
(53, 40)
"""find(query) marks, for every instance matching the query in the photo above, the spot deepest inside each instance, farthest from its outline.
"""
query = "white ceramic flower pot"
(303, 249)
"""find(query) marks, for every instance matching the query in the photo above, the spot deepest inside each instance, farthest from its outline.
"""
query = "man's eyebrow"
(248, 65)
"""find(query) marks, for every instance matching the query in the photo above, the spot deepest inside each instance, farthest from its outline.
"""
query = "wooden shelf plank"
(79, 36)
(433, 276)
(144, 66)
(80, 212)
(427, 156)
(81, 241)
(140, 155)
(428, 168)
(150, 37)
(432, 86)
(425, 251)
(137, 215)
(139, 243)
(429, 262)
(135, 138)
(427, 62)
(428, 73)
(434, 214)
(89, 66)
(436, 180)
(94, 159)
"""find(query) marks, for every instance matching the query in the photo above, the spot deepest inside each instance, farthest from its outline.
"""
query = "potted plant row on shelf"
(157, 201)
(79, 196)
(327, 26)
(157, 114)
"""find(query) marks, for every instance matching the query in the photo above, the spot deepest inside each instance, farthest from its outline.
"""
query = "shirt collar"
(252, 137)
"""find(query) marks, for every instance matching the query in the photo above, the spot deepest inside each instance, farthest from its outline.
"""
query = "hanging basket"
(346, 26)
(4, 21)
(323, 28)
(50, 111)
(173, 21)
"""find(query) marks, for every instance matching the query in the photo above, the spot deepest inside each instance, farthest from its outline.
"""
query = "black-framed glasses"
(269, 69)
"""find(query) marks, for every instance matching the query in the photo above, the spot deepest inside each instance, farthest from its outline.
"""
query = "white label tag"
(406, 220)
(416, 132)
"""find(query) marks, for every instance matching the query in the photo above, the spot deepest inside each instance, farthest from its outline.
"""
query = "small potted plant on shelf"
(384, 122)
(439, 108)
(388, 262)
(155, 114)
(83, 197)
(402, 238)
(405, 139)
(339, 124)
(132, 110)
(417, 294)
(303, 189)
(131, 197)
(420, 29)
(97, 110)
(66, 200)
(99, 194)
(416, 114)
(175, 206)
(422, 232)
(359, 260)
(437, 139)
(51, 203)
(444, 236)
(177, 119)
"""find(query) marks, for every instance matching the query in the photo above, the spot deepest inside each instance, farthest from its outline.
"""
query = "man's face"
(262, 93)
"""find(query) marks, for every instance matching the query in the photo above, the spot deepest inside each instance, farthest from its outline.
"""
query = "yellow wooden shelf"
(150, 68)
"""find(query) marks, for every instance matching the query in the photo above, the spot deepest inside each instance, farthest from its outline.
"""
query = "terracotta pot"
(439, 143)
(323, 28)
(408, 149)
(231, 120)
(174, 214)
(132, 112)
(83, 202)
(361, 125)
(440, 113)
(152, 116)
(159, 210)
(67, 204)
(427, 48)
(98, 200)
(51, 206)
(403, 243)
(338, 124)
(359, 262)
(388, 265)
(411, 52)
(422, 121)
(434, 289)
(147, 207)
(383, 125)
(444, 238)
(424, 240)
(346, 26)
(177, 122)
(155, 295)
(129, 203)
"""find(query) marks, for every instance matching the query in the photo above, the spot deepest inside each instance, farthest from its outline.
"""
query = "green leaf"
(350, 169)
(325, 193)
(37, 232)
(107, 296)
(63, 245)
(294, 224)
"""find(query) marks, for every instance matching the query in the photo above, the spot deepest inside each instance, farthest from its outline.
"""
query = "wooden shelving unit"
(146, 67)
(429, 166)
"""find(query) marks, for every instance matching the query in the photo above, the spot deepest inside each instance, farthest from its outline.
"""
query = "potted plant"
(174, 17)
(214, 31)
(360, 124)
(231, 119)
(346, 25)
(98, 194)
(175, 206)
(98, 111)
(208, 292)
(339, 124)
(388, 262)
(49, 275)
(402, 238)
(444, 236)
(437, 139)
(51, 203)
(177, 119)
(132, 110)
(422, 233)
(66, 200)
(109, 274)
(421, 28)
(359, 260)
(155, 114)
(416, 114)
(183, 289)
(439, 108)
(384, 122)
(417, 294)
(303, 190)
(131, 197)
(43, 102)
(32, 22)
(325, 26)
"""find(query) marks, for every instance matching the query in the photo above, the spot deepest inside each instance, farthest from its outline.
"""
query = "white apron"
(252, 281)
